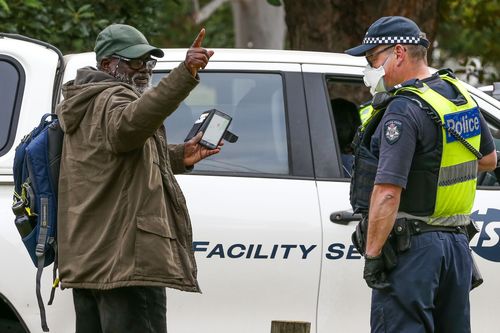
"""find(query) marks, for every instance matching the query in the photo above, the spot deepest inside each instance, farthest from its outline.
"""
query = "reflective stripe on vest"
(458, 169)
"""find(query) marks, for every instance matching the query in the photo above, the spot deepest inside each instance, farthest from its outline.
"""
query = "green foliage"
(65, 24)
(72, 25)
(220, 32)
(179, 29)
(274, 2)
(466, 27)
(471, 28)
(4, 6)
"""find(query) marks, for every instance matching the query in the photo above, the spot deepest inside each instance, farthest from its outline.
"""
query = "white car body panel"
(250, 292)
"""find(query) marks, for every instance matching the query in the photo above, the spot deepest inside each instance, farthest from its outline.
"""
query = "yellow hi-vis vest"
(365, 113)
(456, 185)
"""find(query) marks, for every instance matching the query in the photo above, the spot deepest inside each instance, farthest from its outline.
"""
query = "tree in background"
(460, 29)
(73, 25)
(337, 25)
(256, 23)
(57, 22)
(469, 31)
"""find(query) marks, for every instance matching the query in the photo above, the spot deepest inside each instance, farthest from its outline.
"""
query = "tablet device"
(213, 123)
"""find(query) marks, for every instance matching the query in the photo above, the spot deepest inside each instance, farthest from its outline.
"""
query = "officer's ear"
(400, 53)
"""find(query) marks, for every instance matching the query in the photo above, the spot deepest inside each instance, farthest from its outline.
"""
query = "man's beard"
(123, 77)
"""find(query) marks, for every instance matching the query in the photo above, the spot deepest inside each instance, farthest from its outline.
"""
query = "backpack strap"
(39, 271)
(55, 279)
(40, 254)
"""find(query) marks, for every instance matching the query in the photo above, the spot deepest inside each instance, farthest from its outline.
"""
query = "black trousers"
(128, 309)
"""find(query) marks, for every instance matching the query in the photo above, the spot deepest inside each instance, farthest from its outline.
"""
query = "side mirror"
(496, 90)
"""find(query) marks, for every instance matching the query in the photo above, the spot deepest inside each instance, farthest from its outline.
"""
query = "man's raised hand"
(197, 57)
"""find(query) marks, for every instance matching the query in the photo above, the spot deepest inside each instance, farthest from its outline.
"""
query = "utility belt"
(405, 228)
(399, 240)
(420, 227)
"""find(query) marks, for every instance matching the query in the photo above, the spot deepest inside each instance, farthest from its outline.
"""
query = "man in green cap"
(124, 230)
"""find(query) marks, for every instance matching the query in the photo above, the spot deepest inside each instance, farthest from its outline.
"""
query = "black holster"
(402, 234)
(359, 241)
(359, 235)
(477, 278)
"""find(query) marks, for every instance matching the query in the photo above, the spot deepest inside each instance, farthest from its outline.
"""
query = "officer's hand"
(197, 57)
(194, 152)
(374, 273)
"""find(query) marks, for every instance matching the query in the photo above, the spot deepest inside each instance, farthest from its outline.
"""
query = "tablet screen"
(215, 129)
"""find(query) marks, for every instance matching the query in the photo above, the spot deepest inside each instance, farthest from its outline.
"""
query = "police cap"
(390, 30)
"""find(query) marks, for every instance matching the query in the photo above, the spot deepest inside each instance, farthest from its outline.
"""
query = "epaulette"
(447, 71)
(415, 83)
(381, 100)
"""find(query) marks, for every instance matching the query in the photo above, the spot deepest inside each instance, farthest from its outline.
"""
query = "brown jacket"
(122, 218)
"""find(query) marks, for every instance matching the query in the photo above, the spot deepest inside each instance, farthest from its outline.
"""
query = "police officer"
(416, 164)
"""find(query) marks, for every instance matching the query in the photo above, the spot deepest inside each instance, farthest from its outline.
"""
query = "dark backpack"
(36, 176)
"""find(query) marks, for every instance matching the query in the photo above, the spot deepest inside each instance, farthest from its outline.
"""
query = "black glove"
(374, 273)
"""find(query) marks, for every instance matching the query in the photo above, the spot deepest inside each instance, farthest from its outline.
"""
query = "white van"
(270, 213)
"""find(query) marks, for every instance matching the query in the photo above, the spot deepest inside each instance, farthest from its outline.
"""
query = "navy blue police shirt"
(406, 130)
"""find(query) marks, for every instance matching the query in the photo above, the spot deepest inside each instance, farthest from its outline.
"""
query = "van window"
(347, 97)
(255, 101)
(11, 89)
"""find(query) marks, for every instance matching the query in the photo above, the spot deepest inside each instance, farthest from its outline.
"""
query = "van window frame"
(16, 110)
(324, 137)
(300, 163)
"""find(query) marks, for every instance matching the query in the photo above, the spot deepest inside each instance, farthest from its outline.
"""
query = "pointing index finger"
(199, 39)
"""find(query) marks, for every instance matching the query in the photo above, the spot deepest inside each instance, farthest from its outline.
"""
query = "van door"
(253, 206)
(486, 244)
(333, 94)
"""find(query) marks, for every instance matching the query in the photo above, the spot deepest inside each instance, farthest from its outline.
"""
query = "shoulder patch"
(393, 130)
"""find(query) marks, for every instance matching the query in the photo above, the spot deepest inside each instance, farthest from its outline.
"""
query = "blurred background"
(464, 33)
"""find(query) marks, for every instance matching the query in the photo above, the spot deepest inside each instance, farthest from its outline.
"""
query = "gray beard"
(130, 80)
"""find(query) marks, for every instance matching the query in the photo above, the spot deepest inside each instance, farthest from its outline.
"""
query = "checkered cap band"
(391, 40)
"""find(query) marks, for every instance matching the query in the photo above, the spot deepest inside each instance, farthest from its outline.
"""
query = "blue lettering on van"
(276, 251)
(487, 242)
(253, 251)
(338, 250)
(335, 251)
(466, 123)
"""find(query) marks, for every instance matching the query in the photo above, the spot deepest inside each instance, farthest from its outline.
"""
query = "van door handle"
(344, 217)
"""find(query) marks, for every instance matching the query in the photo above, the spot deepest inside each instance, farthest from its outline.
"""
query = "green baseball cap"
(123, 40)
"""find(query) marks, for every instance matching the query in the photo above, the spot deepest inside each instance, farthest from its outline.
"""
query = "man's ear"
(400, 53)
(105, 65)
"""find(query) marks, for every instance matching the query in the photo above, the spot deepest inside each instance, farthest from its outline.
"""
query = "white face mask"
(374, 78)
